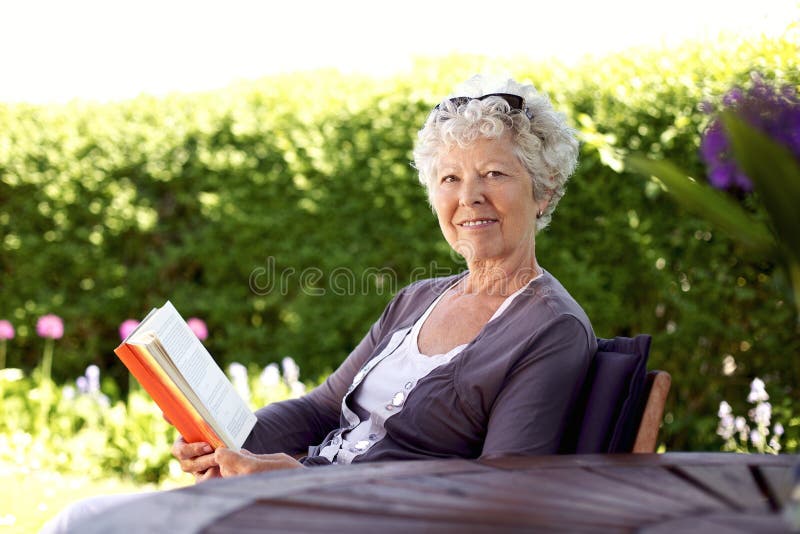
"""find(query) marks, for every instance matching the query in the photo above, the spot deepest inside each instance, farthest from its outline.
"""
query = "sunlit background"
(107, 209)
(56, 51)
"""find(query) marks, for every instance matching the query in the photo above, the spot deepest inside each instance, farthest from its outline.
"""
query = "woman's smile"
(478, 224)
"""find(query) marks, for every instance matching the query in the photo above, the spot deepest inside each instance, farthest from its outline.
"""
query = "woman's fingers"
(231, 463)
(194, 458)
(186, 451)
(208, 474)
(198, 464)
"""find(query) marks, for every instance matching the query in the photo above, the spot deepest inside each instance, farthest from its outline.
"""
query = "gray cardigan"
(508, 392)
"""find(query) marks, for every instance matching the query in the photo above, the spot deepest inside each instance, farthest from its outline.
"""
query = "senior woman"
(483, 363)
(479, 364)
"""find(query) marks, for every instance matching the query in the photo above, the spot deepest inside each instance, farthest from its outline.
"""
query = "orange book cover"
(165, 393)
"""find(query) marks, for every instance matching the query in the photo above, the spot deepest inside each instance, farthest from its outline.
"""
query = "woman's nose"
(472, 192)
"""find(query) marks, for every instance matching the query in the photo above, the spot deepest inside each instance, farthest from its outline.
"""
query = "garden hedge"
(285, 213)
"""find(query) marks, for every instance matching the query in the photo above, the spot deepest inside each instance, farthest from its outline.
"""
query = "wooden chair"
(656, 391)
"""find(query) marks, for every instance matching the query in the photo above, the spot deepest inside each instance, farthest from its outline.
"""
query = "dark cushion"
(607, 413)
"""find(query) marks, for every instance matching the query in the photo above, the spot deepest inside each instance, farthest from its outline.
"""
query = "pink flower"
(127, 326)
(50, 326)
(198, 327)
(6, 330)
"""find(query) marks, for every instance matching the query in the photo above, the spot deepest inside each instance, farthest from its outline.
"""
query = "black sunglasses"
(515, 102)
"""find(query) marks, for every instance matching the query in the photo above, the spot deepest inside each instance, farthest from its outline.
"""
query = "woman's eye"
(449, 179)
(494, 174)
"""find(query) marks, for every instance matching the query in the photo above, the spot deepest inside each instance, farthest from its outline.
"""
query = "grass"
(29, 498)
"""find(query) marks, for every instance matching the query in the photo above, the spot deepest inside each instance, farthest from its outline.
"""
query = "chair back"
(605, 418)
(656, 391)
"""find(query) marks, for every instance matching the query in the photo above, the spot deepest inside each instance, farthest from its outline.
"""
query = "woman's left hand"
(233, 463)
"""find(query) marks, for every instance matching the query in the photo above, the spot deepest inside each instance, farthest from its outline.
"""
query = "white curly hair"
(545, 144)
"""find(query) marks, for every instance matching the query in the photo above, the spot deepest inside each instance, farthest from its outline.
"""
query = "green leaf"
(704, 201)
(775, 174)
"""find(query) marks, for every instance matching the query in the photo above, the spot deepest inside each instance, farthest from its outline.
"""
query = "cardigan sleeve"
(293, 425)
(529, 413)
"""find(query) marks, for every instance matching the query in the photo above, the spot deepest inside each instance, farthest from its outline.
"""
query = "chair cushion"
(607, 413)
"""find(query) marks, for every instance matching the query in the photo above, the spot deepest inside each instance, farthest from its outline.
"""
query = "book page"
(231, 418)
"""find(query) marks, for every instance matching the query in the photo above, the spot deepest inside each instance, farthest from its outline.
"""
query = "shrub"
(81, 429)
(285, 213)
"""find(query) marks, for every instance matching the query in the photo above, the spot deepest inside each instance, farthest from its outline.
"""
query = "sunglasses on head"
(515, 102)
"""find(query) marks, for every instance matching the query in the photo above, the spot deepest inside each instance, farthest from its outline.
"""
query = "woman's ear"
(542, 203)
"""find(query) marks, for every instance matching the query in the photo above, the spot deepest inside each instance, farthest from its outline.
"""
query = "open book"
(174, 367)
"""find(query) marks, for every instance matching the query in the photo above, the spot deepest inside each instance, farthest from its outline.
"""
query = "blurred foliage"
(94, 432)
(770, 166)
(285, 213)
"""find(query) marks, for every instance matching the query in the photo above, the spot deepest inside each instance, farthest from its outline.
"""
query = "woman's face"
(483, 197)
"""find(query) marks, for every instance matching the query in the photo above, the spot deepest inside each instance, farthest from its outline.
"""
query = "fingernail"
(207, 448)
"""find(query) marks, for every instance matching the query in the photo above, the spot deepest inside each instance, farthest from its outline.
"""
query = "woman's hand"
(233, 463)
(196, 459)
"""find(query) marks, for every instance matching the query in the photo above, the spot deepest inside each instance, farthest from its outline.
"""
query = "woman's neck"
(499, 278)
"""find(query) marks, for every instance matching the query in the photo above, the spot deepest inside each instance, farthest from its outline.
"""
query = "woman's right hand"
(196, 459)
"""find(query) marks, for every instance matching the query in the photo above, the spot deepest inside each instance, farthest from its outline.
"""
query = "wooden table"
(674, 492)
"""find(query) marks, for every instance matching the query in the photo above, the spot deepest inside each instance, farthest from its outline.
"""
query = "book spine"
(169, 398)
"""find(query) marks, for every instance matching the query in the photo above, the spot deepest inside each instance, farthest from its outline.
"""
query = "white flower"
(291, 372)
(725, 427)
(68, 392)
(237, 371)
(728, 365)
(270, 376)
(739, 423)
(11, 374)
(757, 391)
(756, 438)
(238, 374)
(777, 429)
(92, 379)
(775, 445)
(298, 389)
(762, 413)
(103, 400)
(724, 409)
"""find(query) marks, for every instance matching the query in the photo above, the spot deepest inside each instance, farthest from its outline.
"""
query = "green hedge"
(109, 209)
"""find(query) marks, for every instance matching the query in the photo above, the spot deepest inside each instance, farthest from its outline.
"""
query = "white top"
(387, 385)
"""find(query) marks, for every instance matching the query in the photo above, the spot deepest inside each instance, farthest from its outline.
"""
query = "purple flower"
(93, 378)
(198, 327)
(83, 384)
(50, 326)
(6, 330)
(127, 326)
(773, 110)
(733, 97)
